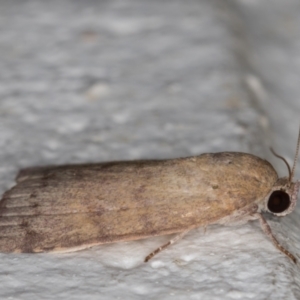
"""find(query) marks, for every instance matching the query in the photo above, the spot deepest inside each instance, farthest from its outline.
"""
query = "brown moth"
(73, 207)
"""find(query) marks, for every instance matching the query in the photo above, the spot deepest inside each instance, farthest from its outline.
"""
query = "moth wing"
(78, 206)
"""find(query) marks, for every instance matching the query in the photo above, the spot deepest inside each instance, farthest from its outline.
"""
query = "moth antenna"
(287, 164)
(296, 157)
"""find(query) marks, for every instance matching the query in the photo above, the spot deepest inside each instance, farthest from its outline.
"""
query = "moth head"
(282, 199)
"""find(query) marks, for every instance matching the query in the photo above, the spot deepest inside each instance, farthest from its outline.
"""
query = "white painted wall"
(96, 81)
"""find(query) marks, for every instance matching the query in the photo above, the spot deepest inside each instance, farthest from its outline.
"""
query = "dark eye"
(278, 202)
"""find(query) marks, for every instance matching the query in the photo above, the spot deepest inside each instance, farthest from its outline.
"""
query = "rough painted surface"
(100, 81)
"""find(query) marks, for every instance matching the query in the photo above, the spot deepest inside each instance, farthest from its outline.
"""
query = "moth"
(73, 207)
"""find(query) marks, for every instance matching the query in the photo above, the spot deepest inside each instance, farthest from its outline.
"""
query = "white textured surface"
(96, 81)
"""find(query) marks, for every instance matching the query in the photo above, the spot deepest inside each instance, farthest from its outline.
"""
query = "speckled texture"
(86, 81)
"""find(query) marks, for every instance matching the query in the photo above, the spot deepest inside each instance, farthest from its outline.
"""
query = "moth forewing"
(63, 207)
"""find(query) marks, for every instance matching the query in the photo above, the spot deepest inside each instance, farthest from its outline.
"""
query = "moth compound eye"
(278, 202)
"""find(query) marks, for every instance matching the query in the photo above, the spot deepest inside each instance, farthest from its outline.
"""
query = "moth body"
(60, 208)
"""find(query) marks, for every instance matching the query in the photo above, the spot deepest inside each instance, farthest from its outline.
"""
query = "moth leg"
(267, 230)
(170, 242)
